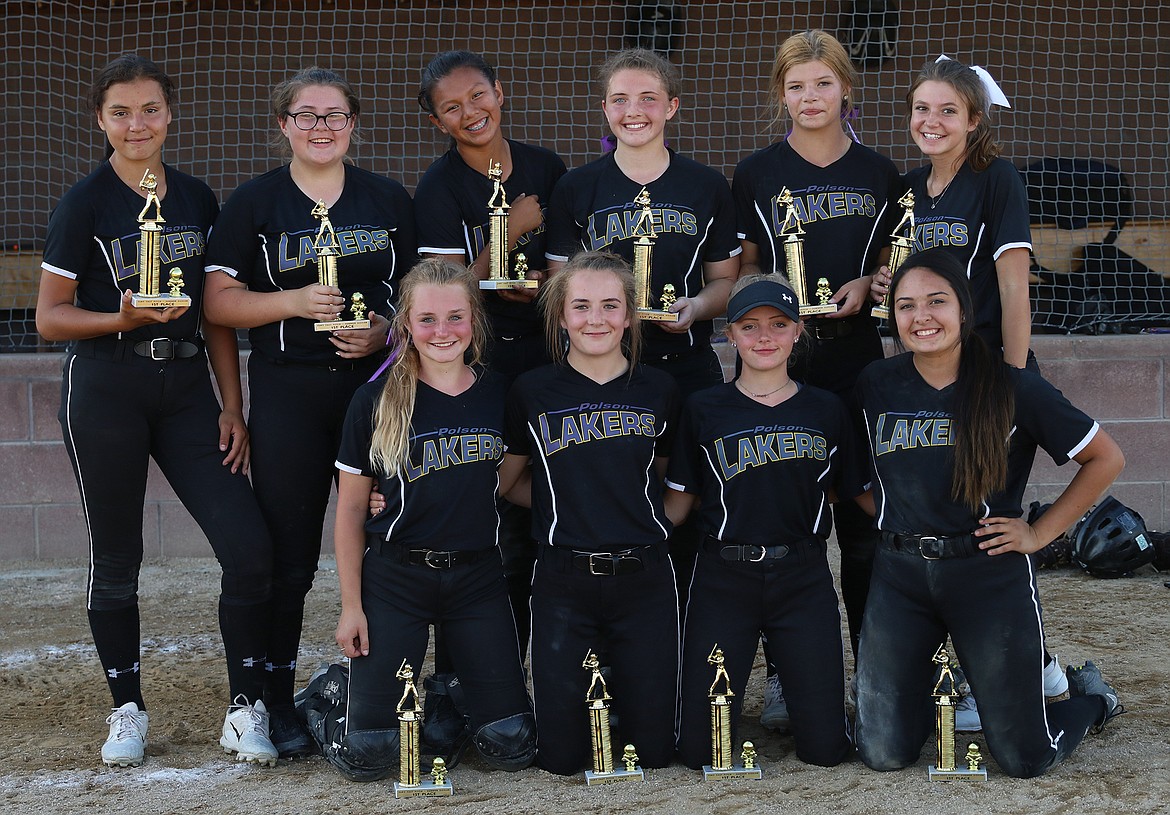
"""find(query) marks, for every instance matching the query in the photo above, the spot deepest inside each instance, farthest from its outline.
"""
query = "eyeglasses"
(307, 120)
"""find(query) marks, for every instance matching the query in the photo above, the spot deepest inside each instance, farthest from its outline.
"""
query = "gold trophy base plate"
(735, 773)
(881, 312)
(812, 308)
(159, 301)
(593, 779)
(427, 789)
(341, 325)
(657, 316)
(497, 283)
(935, 774)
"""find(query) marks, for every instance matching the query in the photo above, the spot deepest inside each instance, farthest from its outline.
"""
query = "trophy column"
(644, 237)
(900, 248)
(150, 234)
(498, 276)
(722, 766)
(945, 696)
(792, 230)
(328, 249)
(597, 701)
(410, 781)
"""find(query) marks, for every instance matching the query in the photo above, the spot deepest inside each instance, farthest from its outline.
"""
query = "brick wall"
(1122, 381)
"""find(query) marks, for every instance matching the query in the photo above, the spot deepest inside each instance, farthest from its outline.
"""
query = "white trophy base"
(426, 789)
(616, 777)
(813, 308)
(957, 774)
(341, 325)
(497, 283)
(159, 301)
(654, 315)
(735, 773)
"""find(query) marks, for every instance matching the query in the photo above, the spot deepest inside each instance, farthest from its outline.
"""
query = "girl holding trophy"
(136, 387)
(265, 260)
(953, 553)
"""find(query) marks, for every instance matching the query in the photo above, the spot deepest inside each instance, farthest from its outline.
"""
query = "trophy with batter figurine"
(644, 237)
(150, 233)
(900, 248)
(597, 701)
(498, 267)
(792, 230)
(411, 782)
(946, 696)
(722, 766)
(328, 249)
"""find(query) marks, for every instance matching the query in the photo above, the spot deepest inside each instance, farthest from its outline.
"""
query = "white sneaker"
(775, 715)
(1055, 680)
(967, 715)
(127, 740)
(245, 733)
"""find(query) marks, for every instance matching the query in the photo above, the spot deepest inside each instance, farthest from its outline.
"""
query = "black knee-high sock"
(116, 633)
(244, 629)
(284, 639)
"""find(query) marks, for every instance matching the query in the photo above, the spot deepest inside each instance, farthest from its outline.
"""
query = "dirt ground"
(55, 703)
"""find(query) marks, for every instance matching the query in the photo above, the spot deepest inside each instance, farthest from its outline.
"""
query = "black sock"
(284, 640)
(244, 629)
(116, 633)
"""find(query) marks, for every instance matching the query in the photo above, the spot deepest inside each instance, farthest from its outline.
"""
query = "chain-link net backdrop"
(1089, 84)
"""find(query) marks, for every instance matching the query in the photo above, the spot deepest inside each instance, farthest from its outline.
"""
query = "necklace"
(936, 198)
(739, 384)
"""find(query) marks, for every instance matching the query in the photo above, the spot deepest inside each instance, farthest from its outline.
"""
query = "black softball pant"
(991, 609)
(631, 620)
(792, 602)
(400, 601)
(297, 412)
(117, 412)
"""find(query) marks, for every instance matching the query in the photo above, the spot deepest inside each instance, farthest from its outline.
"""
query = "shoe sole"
(250, 758)
(122, 762)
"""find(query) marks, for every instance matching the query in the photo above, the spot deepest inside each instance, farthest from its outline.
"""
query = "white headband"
(995, 94)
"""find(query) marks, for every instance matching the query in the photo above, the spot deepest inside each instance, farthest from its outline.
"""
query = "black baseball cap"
(763, 293)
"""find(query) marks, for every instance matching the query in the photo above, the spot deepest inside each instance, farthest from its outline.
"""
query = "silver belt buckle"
(612, 564)
(923, 539)
(167, 343)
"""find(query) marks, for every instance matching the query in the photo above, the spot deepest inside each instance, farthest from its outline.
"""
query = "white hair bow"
(995, 94)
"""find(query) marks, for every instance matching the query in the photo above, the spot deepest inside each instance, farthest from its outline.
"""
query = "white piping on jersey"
(1085, 441)
(872, 233)
(879, 494)
(722, 492)
(113, 271)
(345, 468)
(57, 270)
(548, 480)
(771, 239)
(441, 250)
(401, 503)
(975, 249)
(650, 503)
(80, 477)
(1017, 245)
(824, 493)
(1053, 741)
(468, 246)
(275, 285)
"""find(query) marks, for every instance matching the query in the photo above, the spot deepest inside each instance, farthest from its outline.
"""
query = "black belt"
(160, 349)
(604, 564)
(749, 553)
(932, 547)
(341, 365)
(430, 557)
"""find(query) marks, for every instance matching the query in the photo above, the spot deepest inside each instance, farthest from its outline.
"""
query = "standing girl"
(263, 277)
(953, 557)
(429, 434)
(762, 454)
(136, 387)
(597, 428)
(845, 195)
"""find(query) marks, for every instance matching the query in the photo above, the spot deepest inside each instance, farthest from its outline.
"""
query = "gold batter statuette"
(410, 781)
(328, 249)
(900, 248)
(597, 701)
(498, 275)
(722, 766)
(150, 234)
(946, 695)
(792, 231)
(644, 237)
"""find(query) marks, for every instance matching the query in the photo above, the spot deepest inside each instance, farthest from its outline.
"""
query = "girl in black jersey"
(136, 387)
(953, 556)
(971, 202)
(763, 454)
(597, 428)
(429, 434)
(846, 196)
(262, 275)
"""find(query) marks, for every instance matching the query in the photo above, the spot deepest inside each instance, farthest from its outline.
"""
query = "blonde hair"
(390, 444)
(811, 46)
(555, 292)
(640, 59)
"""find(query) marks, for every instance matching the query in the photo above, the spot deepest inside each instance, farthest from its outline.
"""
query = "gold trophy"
(901, 248)
(794, 261)
(498, 277)
(722, 766)
(597, 700)
(644, 237)
(150, 256)
(411, 783)
(328, 250)
(946, 694)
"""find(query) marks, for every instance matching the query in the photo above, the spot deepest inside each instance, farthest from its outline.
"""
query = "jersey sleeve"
(404, 238)
(1057, 425)
(564, 233)
(353, 455)
(685, 468)
(723, 243)
(439, 218)
(234, 242)
(69, 242)
(1006, 209)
